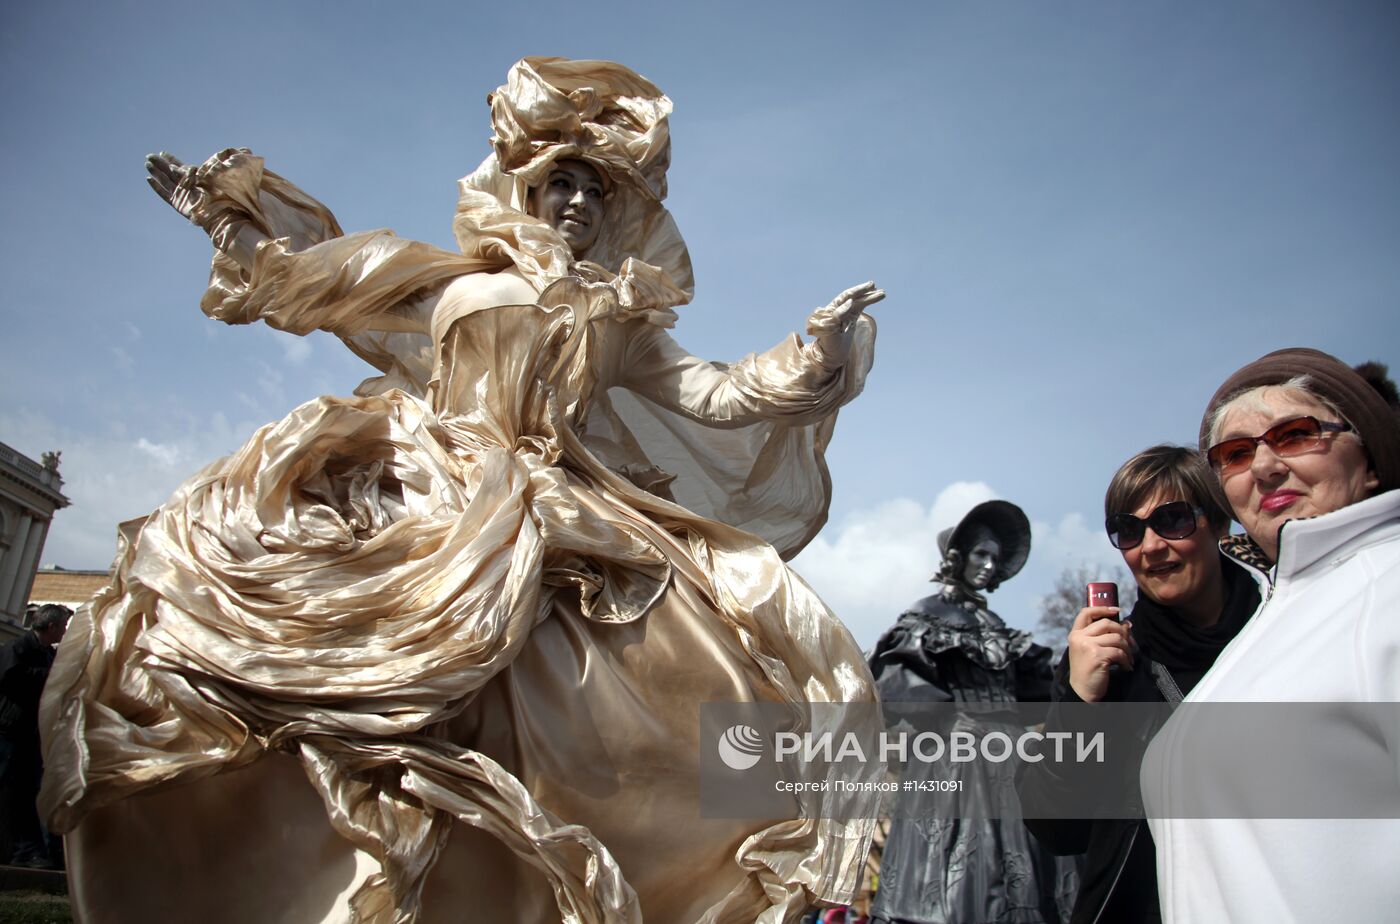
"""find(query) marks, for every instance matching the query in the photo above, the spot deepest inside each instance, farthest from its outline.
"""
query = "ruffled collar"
(953, 620)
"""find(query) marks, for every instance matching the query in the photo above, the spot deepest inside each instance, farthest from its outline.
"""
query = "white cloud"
(295, 350)
(123, 360)
(109, 478)
(166, 454)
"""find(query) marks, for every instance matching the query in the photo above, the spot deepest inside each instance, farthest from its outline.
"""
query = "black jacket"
(1118, 878)
(24, 667)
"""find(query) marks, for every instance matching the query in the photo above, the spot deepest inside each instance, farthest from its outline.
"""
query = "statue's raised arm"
(281, 257)
(177, 183)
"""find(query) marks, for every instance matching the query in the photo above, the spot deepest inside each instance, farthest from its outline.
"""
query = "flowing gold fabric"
(472, 610)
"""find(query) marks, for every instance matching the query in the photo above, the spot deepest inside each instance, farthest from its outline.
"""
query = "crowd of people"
(452, 633)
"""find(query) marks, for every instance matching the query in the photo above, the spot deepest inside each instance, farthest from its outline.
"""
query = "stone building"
(68, 586)
(29, 495)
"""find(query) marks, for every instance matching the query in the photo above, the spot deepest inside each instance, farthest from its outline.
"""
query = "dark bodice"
(946, 648)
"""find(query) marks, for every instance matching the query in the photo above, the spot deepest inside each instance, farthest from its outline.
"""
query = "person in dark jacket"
(951, 648)
(1165, 514)
(24, 668)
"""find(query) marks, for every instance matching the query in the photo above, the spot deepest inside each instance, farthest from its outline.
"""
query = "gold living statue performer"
(437, 651)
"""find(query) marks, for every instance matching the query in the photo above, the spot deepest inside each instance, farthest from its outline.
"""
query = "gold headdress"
(595, 111)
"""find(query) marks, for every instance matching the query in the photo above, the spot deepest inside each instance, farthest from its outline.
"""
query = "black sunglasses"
(1174, 520)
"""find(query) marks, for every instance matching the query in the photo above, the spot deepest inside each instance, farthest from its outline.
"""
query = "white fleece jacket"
(1327, 633)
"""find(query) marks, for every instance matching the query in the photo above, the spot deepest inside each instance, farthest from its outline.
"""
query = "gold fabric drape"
(470, 610)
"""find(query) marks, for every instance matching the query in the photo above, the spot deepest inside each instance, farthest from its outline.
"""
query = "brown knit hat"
(1375, 422)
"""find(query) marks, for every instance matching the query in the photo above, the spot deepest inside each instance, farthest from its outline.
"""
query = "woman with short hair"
(1308, 454)
(1164, 513)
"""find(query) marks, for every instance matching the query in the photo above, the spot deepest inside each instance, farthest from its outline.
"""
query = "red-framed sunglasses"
(1289, 438)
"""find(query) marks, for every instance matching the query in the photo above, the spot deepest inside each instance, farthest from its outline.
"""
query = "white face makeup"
(982, 560)
(571, 201)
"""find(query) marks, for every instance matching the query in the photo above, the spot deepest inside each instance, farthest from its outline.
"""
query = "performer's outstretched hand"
(228, 227)
(173, 181)
(832, 325)
(851, 303)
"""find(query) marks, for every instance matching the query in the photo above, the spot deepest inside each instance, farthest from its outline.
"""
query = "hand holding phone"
(1099, 643)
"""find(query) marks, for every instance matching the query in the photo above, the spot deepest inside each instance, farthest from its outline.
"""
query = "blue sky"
(1086, 215)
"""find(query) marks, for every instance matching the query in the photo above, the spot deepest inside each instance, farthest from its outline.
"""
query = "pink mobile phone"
(1102, 593)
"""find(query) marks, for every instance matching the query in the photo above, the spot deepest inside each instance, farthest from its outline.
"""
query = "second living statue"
(951, 648)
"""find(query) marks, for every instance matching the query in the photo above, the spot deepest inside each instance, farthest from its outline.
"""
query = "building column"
(9, 576)
(38, 531)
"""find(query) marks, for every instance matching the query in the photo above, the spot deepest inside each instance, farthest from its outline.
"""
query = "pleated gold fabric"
(479, 609)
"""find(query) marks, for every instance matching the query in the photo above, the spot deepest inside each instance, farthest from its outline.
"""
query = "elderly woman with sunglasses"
(1165, 515)
(1308, 454)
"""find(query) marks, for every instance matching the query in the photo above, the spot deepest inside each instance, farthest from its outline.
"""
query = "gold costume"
(480, 603)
